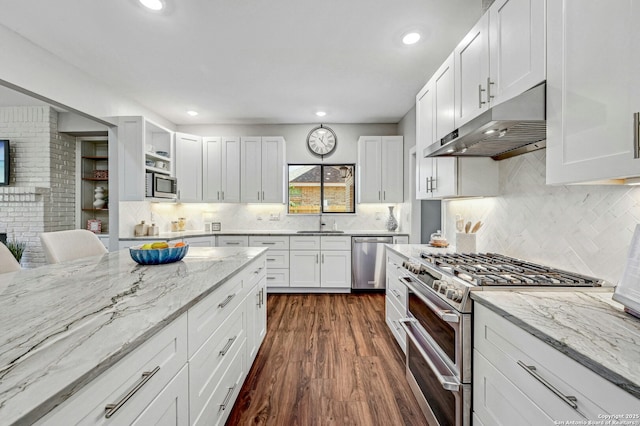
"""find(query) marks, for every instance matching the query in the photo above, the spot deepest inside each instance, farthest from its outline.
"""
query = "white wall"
(407, 128)
(30, 67)
(586, 229)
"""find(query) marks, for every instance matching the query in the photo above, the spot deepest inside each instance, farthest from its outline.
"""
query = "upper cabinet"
(501, 57)
(221, 169)
(380, 169)
(425, 135)
(444, 99)
(142, 146)
(592, 91)
(262, 163)
(450, 177)
(189, 167)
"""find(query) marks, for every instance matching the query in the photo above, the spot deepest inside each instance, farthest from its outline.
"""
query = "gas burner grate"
(491, 269)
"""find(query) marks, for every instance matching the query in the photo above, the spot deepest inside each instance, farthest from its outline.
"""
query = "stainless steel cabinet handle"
(322, 257)
(396, 293)
(226, 348)
(480, 90)
(636, 135)
(262, 296)
(489, 95)
(111, 409)
(268, 243)
(433, 184)
(270, 259)
(232, 243)
(384, 195)
(257, 271)
(222, 195)
(258, 195)
(262, 195)
(379, 195)
(228, 397)
(227, 301)
(271, 278)
(317, 257)
(218, 195)
(569, 400)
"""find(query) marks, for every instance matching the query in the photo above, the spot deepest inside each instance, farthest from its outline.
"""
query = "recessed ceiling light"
(411, 38)
(153, 4)
(321, 113)
(192, 113)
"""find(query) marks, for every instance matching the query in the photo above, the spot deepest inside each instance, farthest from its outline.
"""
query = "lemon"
(145, 246)
(159, 245)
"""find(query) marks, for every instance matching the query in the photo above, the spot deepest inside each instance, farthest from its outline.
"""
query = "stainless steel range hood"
(508, 129)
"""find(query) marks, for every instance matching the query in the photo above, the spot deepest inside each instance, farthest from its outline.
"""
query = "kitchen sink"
(320, 232)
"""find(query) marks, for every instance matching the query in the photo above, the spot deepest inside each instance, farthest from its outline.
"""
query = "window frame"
(322, 166)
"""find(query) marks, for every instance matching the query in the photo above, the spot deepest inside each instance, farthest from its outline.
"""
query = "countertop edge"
(170, 236)
(599, 369)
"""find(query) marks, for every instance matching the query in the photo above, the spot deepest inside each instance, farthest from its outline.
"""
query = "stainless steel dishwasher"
(368, 262)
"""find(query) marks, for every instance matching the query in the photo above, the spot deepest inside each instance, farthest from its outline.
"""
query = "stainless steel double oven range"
(439, 322)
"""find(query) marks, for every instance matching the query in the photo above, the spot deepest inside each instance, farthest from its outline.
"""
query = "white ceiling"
(253, 61)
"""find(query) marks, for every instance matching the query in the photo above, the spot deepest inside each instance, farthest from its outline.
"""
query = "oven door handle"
(447, 383)
(444, 314)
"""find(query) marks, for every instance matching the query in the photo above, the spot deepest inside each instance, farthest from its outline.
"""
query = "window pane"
(311, 194)
(304, 189)
(339, 189)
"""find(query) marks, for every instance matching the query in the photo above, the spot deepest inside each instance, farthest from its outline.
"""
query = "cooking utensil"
(467, 227)
(476, 227)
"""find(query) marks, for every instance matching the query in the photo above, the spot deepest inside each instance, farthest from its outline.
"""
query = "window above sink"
(321, 188)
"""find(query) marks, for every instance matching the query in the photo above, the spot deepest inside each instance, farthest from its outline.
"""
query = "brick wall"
(41, 196)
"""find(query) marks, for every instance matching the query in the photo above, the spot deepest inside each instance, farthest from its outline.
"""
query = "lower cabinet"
(190, 372)
(396, 299)
(519, 379)
(320, 262)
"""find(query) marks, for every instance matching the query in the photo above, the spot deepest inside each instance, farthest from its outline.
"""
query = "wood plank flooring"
(327, 360)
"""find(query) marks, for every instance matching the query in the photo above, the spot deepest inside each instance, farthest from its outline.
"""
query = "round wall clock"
(321, 140)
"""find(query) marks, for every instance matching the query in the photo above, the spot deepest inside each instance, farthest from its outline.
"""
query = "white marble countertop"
(589, 327)
(414, 250)
(64, 324)
(275, 232)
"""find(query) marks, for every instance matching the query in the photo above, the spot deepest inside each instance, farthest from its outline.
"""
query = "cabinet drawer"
(495, 398)
(166, 350)
(397, 291)
(210, 362)
(233, 241)
(277, 259)
(200, 241)
(305, 243)
(205, 317)
(221, 402)
(255, 273)
(171, 406)
(277, 243)
(278, 277)
(393, 315)
(505, 344)
(335, 243)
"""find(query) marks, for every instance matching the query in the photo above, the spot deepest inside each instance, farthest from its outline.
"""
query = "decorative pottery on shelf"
(99, 202)
(392, 223)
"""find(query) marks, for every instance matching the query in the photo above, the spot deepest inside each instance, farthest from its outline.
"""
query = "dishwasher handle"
(381, 240)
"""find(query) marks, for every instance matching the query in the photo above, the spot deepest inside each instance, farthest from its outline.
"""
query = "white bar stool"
(69, 245)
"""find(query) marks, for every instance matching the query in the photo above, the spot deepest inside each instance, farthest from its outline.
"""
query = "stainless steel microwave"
(159, 185)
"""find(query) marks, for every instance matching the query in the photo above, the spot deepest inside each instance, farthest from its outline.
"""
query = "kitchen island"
(64, 325)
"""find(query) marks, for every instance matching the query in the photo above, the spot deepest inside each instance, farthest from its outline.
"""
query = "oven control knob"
(456, 296)
(436, 284)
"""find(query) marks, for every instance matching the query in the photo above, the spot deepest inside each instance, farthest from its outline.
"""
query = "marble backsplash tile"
(583, 228)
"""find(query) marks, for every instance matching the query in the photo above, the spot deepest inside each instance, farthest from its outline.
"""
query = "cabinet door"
(392, 149)
(230, 169)
(335, 271)
(517, 47)
(200, 241)
(131, 172)
(211, 169)
(444, 98)
(445, 177)
(233, 241)
(189, 167)
(472, 72)
(171, 406)
(592, 78)
(369, 169)
(304, 269)
(273, 159)
(251, 169)
(425, 136)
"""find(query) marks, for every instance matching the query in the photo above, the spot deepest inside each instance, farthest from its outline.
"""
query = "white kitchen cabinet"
(444, 98)
(278, 258)
(189, 167)
(401, 239)
(134, 135)
(592, 90)
(380, 169)
(233, 241)
(335, 269)
(511, 367)
(221, 169)
(450, 177)
(396, 299)
(256, 309)
(171, 406)
(425, 136)
(502, 56)
(262, 163)
(320, 261)
(304, 269)
(200, 241)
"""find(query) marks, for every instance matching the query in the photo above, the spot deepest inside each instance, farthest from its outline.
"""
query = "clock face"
(321, 140)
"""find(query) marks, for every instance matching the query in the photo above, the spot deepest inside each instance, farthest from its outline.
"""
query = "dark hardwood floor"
(327, 360)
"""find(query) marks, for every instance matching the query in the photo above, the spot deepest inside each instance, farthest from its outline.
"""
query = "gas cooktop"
(490, 269)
